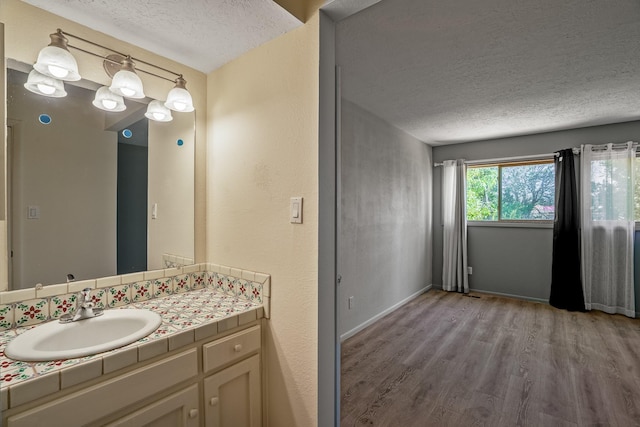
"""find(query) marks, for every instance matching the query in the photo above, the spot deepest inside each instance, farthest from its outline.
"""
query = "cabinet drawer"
(100, 400)
(231, 348)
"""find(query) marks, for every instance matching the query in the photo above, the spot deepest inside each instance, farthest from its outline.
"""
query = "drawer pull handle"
(237, 348)
(193, 413)
(213, 401)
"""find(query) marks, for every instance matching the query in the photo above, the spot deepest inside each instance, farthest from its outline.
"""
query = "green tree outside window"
(511, 192)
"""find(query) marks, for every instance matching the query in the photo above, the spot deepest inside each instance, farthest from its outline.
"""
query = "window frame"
(532, 223)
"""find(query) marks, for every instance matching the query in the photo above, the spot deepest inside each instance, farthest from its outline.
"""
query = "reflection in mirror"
(94, 193)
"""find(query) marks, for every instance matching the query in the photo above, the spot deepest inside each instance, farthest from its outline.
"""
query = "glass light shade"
(158, 112)
(126, 82)
(56, 61)
(108, 101)
(45, 85)
(179, 98)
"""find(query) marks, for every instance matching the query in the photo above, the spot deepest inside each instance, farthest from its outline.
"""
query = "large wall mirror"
(93, 193)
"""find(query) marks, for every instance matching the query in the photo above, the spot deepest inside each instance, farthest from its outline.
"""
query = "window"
(611, 190)
(523, 191)
(609, 179)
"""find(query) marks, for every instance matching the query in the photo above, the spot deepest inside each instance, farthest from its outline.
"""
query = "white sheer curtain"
(607, 211)
(454, 235)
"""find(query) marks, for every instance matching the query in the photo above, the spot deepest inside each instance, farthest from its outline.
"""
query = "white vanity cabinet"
(212, 383)
(232, 396)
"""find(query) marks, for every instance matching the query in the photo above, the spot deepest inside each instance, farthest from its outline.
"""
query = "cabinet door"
(177, 410)
(233, 396)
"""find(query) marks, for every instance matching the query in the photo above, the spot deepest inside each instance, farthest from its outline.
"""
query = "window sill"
(503, 224)
(509, 224)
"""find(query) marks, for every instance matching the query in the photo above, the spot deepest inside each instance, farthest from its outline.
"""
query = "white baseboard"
(379, 316)
(502, 294)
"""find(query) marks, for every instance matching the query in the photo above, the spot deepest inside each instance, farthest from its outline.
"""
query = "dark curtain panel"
(566, 284)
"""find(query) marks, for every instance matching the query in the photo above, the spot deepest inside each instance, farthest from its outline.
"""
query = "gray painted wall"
(384, 249)
(508, 260)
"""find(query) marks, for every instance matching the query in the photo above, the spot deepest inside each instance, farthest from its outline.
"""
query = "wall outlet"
(469, 270)
(350, 303)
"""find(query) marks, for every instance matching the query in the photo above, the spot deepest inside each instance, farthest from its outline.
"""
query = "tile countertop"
(186, 317)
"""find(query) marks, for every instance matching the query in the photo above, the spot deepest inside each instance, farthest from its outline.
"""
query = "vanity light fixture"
(158, 112)
(45, 85)
(56, 61)
(108, 101)
(179, 98)
(126, 82)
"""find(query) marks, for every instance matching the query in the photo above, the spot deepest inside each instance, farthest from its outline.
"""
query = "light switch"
(154, 211)
(296, 210)
(33, 212)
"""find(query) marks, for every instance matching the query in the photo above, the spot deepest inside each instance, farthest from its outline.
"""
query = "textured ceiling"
(465, 70)
(202, 34)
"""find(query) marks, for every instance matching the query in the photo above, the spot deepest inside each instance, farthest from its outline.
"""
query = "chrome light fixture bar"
(57, 64)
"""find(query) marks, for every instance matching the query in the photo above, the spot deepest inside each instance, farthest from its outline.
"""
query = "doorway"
(133, 155)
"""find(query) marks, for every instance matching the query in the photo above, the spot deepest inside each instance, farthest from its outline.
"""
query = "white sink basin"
(55, 340)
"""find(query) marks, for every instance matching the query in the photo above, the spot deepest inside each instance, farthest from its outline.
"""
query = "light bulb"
(109, 104)
(56, 61)
(108, 101)
(158, 112)
(179, 98)
(58, 72)
(46, 89)
(127, 92)
(44, 85)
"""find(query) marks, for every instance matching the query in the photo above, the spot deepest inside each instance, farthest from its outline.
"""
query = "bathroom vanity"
(201, 367)
(212, 382)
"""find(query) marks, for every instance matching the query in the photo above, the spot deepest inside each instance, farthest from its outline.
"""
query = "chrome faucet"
(84, 308)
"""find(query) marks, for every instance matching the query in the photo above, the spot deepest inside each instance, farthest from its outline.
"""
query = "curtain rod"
(507, 159)
(576, 150)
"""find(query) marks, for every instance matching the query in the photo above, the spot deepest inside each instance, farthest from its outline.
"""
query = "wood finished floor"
(445, 359)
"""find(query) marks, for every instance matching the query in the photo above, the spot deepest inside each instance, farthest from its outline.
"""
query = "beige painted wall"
(171, 187)
(262, 116)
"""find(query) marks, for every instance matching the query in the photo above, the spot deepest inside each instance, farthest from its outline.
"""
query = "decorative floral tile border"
(142, 291)
(252, 286)
(118, 296)
(181, 283)
(198, 280)
(6, 316)
(163, 287)
(31, 312)
(62, 304)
